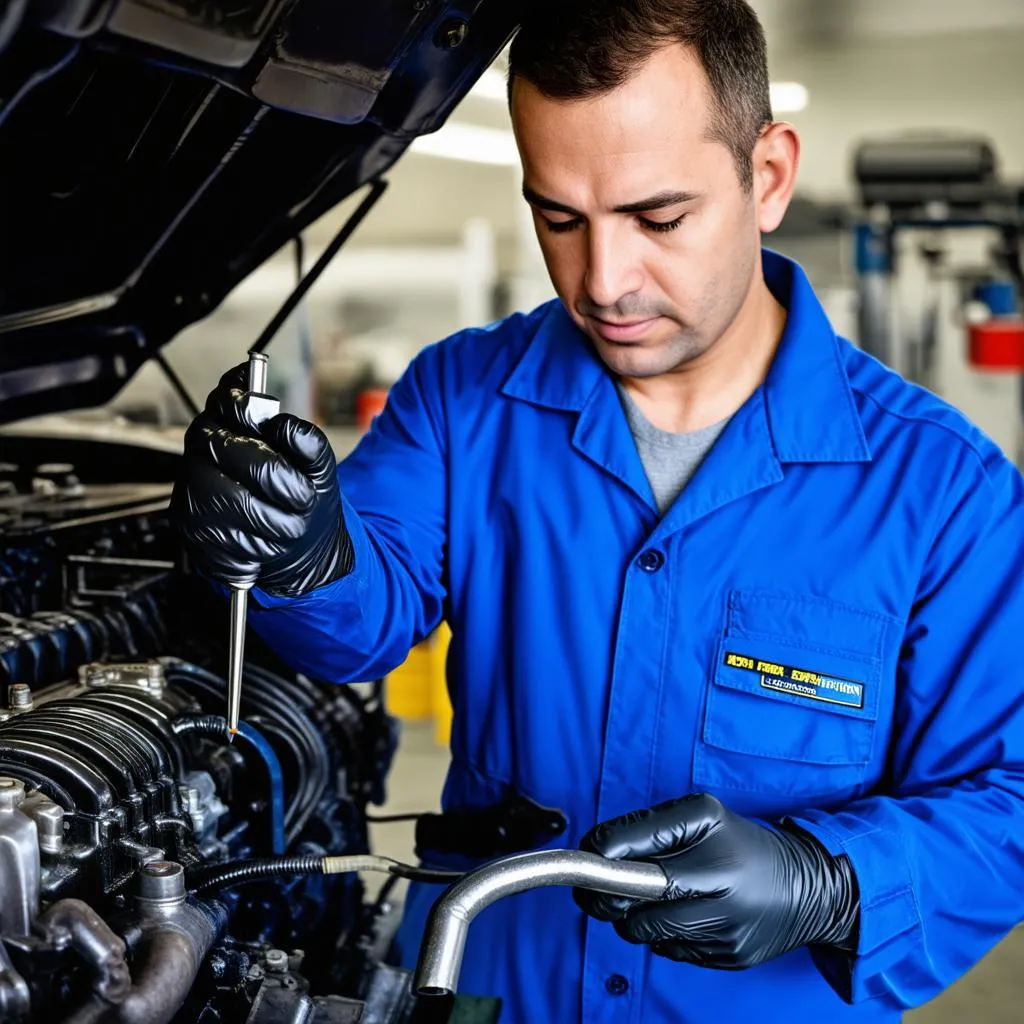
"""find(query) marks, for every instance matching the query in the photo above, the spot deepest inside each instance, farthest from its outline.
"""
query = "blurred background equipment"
(919, 198)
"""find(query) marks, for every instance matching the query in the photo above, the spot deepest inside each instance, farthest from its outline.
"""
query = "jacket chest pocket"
(793, 702)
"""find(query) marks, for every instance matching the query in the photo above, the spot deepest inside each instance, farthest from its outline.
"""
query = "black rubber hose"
(282, 743)
(205, 725)
(212, 878)
(222, 876)
(300, 699)
(278, 716)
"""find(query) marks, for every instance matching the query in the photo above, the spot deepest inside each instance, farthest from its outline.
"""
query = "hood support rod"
(266, 336)
(377, 189)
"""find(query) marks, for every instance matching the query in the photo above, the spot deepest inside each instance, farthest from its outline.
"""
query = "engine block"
(118, 788)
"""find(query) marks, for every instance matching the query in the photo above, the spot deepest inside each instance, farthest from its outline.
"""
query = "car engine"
(134, 838)
(156, 152)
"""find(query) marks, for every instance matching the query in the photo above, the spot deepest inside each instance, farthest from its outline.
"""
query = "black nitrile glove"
(739, 893)
(259, 503)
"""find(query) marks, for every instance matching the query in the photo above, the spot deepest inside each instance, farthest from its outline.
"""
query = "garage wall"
(971, 82)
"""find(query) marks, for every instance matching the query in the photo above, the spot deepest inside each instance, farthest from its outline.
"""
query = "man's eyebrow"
(543, 203)
(658, 202)
(655, 202)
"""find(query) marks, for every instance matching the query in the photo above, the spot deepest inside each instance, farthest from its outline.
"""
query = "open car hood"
(153, 153)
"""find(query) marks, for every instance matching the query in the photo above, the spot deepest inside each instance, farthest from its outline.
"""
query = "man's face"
(651, 242)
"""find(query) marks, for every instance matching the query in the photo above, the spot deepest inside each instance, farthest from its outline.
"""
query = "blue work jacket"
(826, 624)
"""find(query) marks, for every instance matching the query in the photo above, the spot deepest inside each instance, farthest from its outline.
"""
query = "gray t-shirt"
(669, 459)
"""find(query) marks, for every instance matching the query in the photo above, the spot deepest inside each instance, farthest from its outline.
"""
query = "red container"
(369, 403)
(997, 345)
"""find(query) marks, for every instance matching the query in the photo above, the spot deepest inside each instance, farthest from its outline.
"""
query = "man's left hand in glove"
(739, 893)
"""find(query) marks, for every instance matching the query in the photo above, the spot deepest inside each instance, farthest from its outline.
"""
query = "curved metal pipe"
(93, 939)
(437, 972)
(177, 935)
(169, 963)
(176, 938)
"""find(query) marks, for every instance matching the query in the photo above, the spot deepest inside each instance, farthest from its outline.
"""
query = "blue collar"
(809, 404)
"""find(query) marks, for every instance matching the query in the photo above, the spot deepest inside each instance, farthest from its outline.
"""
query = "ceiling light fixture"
(788, 97)
(457, 140)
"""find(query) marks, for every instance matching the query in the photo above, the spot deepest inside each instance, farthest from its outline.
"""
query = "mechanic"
(722, 588)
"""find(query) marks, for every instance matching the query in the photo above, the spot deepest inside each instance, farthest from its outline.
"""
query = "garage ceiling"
(796, 23)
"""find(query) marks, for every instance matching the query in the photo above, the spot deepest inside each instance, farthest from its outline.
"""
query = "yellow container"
(408, 686)
(417, 690)
(441, 705)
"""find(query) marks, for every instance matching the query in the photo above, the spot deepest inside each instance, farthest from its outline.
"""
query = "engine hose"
(206, 683)
(213, 878)
(262, 701)
(300, 699)
(217, 726)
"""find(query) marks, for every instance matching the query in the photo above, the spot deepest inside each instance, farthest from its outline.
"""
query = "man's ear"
(775, 159)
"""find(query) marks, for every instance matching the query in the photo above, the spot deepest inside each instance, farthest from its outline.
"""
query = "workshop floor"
(993, 993)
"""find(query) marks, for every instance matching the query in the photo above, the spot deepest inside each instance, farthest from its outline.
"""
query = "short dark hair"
(573, 49)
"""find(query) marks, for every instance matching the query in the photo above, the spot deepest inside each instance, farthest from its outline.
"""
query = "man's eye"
(667, 225)
(562, 225)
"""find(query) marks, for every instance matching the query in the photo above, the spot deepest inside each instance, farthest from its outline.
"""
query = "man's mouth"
(624, 330)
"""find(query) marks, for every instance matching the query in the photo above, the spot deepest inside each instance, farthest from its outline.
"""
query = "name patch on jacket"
(800, 682)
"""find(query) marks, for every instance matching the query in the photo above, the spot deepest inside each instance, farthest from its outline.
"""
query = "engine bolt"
(12, 793)
(452, 34)
(156, 679)
(276, 961)
(93, 674)
(19, 696)
(191, 799)
(49, 819)
(162, 880)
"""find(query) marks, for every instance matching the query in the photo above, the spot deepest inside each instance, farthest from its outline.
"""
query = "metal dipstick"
(262, 407)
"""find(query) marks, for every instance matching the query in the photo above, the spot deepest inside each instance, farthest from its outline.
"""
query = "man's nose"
(612, 268)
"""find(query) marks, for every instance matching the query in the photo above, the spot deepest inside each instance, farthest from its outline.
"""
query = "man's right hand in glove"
(259, 503)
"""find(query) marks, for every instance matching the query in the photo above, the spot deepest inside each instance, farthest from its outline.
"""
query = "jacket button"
(616, 985)
(651, 560)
